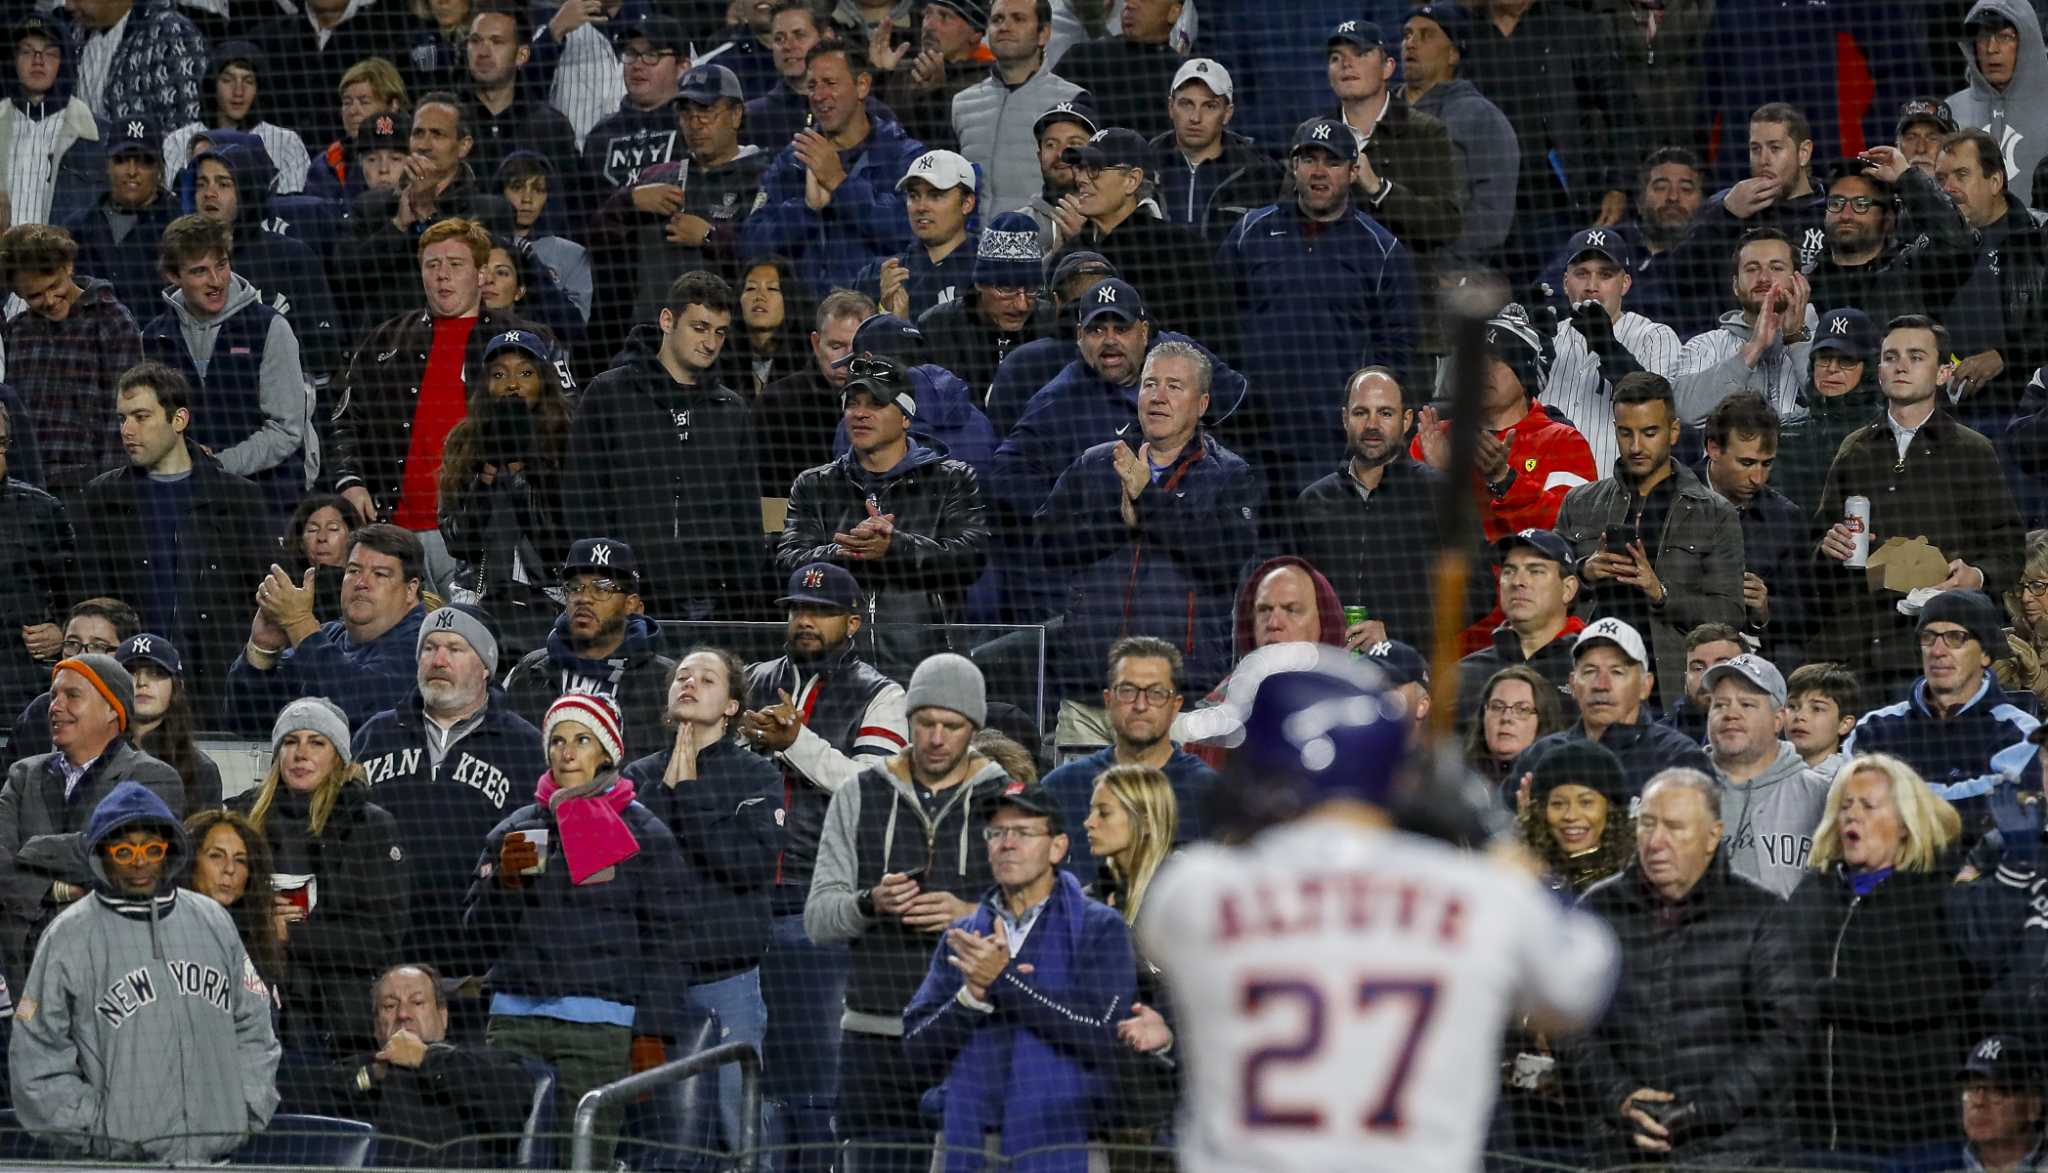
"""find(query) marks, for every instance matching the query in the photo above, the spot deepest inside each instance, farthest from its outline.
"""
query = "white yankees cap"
(1612, 631)
(1207, 71)
(941, 169)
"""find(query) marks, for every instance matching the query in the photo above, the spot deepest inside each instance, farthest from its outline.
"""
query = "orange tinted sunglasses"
(130, 854)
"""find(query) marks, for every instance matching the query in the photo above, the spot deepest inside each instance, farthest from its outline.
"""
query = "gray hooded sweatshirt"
(2018, 116)
(1767, 823)
(286, 397)
(144, 1031)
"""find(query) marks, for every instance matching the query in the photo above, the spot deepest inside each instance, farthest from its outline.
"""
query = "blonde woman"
(1131, 819)
(340, 881)
(1904, 954)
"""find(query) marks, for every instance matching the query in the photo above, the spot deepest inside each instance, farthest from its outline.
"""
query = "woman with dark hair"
(232, 864)
(515, 280)
(234, 87)
(317, 537)
(342, 877)
(721, 801)
(160, 724)
(772, 338)
(501, 483)
(1516, 707)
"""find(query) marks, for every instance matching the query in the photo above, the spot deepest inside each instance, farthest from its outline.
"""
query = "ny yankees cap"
(1753, 669)
(941, 169)
(1848, 330)
(525, 340)
(606, 555)
(1401, 662)
(1455, 22)
(131, 136)
(1115, 297)
(707, 85)
(1543, 541)
(1932, 110)
(1112, 147)
(2000, 1059)
(147, 647)
(1077, 113)
(1326, 134)
(1206, 70)
(1605, 241)
(381, 132)
(1611, 631)
(822, 584)
(1364, 34)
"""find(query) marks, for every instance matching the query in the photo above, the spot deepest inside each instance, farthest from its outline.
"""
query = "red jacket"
(1549, 459)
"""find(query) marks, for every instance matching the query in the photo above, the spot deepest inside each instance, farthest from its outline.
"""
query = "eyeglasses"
(2028, 586)
(701, 115)
(1860, 203)
(650, 57)
(997, 834)
(1008, 292)
(1158, 694)
(2001, 36)
(130, 854)
(600, 589)
(1504, 709)
(98, 647)
(1952, 640)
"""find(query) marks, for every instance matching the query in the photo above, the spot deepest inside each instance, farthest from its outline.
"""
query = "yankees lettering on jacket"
(137, 989)
(468, 770)
(627, 154)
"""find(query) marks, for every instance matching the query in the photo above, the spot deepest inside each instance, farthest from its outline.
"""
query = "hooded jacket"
(1173, 575)
(39, 824)
(864, 222)
(1710, 369)
(879, 824)
(79, 174)
(2017, 117)
(1712, 1006)
(143, 1032)
(1211, 727)
(443, 806)
(939, 547)
(670, 469)
(251, 404)
(1769, 821)
(1490, 160)
(635, 678)
(995, 121)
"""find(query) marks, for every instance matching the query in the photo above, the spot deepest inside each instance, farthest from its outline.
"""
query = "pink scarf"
(594, 836)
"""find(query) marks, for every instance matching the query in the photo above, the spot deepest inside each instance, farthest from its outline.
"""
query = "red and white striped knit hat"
(594, 712)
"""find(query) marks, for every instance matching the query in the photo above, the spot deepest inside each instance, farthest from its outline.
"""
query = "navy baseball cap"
(1033, 799)
(1113, 147)
(1543, 541)
(131, 136)
(1605, 241)
(1848, 330)
(1364, 34)
(822, 584)
(36, 25)
(707, 85)
(605, 555)
(1455, 22)
(1078, 113)
(887, 335)
(1325, 134)
(1401, 663)
(153, 649)
(2003, 1060)
(525, 340)
(1114, 296)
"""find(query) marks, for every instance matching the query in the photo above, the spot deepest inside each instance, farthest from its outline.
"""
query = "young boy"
(1822, 707)
(525, 179)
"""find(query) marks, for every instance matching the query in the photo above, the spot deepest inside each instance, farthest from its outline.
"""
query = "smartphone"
(916, 873)
(1617, 538)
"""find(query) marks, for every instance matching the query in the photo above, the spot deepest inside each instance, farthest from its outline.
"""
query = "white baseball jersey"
(1342, 994)
(1585, 395)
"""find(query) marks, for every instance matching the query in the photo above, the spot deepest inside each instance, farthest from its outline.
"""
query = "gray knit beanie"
(948, 681)
(317, 714)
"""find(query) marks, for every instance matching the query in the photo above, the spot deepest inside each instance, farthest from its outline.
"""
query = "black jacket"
(1245, 178)
(1128, 83)
(939, 547)
(37, 559)
(1807, 445)
(1903, 974)
(635, 678)
(528, 124)
(1926, 261)
(443, 812)
(215, 575)
(1374, 547)
(670, 470)
(371, 425)
(1644, 748)
(471, 1099)
(794, 424)
(1553, 660)
(381, 261)
(728, 825)
(131, 263)
(361, 888)
(516, 517)
(959, 339)
(1712, 1006)
(1172, 267)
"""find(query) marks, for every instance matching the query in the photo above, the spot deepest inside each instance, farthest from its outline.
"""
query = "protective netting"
(602, 531)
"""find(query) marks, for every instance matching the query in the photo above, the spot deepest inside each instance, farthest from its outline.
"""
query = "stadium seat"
(536, 1141)
(310, 1140)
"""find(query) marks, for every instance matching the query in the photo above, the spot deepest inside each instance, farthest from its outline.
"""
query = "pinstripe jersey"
(1579, 389)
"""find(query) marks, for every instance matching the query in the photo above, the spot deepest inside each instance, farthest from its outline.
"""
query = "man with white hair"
(450, 762)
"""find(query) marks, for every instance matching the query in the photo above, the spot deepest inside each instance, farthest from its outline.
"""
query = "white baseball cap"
(941, 169)
(1615, 632)
(1206, 70)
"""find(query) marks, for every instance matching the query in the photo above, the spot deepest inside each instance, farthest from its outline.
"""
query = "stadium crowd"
(431, 391)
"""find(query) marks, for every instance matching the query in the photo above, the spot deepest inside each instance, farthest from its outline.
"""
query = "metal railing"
(748, 1142)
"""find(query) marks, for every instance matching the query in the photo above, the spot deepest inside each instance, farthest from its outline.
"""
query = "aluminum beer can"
(1856, 515)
